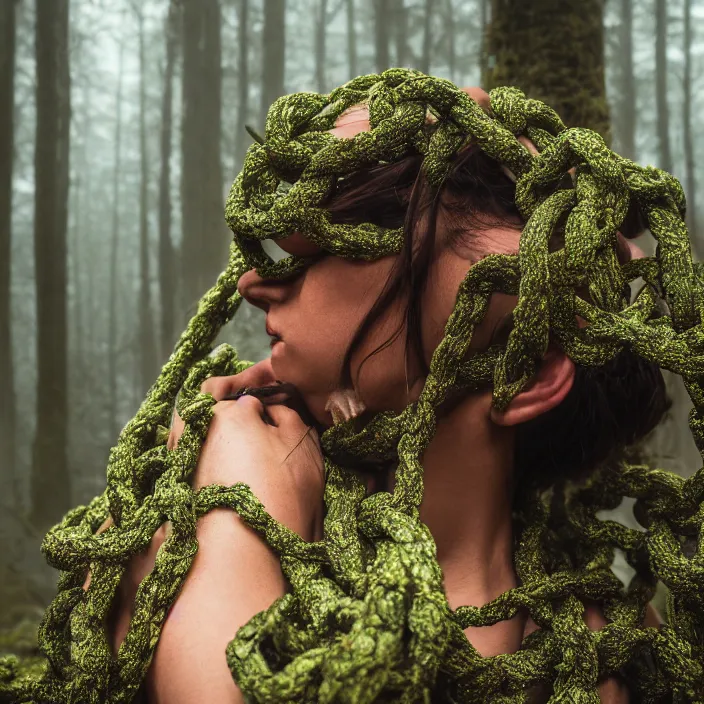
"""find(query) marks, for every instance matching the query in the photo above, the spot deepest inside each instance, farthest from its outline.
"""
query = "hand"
(235, 574)
(282, 463)
(260, 374)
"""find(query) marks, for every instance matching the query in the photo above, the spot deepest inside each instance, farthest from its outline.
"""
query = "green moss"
(367, 617)
(553, 50)
(21, 639)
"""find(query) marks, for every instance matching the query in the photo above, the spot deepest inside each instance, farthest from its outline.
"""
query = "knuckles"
(284, 469)
(225, 410)
(293, 449)
(216, 385)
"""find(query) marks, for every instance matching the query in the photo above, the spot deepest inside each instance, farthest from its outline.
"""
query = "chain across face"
(287, 176)
(381, 573)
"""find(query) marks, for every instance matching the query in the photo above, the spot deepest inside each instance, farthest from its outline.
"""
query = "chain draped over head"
(366, 618)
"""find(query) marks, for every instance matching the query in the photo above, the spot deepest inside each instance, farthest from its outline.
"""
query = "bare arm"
(234, 573)
(234, 576)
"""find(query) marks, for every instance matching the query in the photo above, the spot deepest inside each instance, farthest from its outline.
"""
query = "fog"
(112, 193)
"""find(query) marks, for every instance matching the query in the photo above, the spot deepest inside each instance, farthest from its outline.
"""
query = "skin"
(234, 574)
(468, 464)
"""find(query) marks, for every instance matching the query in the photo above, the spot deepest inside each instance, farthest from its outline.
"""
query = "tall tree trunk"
(381, 35)
(75, 235)
(450, 20)
(690, 178)
(50, 480)
(8, 420)
(661, 84)
(79, 314)
(400, 31)
(484, 6)
(626, 120)
(147, 334)
(351, 40)
(321, 26)
(205, 239)
(274, 39)
(167, 284)
(242, 81)
(81, 256)
(114, 251)
(427, 37)
(553, 50)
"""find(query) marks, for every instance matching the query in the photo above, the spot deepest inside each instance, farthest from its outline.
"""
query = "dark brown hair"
(608, 409)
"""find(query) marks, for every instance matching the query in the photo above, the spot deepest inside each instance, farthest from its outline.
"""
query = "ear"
(546, 390)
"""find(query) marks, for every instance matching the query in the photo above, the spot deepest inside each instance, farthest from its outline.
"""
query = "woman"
(401, 546)
(312, 319)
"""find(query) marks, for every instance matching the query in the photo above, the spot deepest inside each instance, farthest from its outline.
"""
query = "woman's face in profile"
(314, 317)
(316, 314)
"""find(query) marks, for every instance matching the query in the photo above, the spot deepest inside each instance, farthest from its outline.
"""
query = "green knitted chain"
(367, 618)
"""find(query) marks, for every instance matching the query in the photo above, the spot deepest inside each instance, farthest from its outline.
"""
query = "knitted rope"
(367, 618)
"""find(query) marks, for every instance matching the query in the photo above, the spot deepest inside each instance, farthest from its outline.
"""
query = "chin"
(316, 402)
(314, 399)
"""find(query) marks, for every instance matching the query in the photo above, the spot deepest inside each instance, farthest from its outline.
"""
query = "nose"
(260, 292)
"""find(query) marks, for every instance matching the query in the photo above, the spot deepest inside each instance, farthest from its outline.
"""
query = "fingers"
(250, 409)
(220, 387)
(245, 416)
(260, 374)
(287, 419)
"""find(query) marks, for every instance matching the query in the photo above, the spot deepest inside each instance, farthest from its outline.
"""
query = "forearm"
(234, 576)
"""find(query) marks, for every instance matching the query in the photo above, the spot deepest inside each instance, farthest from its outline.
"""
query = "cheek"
(320, 321)
(445, 279)
(339, 294)
(381, 380)
(439, 298)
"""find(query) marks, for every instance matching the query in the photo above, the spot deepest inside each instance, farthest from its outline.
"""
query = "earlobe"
(546, 390)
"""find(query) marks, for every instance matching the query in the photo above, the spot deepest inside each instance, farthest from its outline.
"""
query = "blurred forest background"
(122, 126)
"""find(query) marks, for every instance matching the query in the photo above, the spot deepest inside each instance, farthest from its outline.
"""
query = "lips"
(275, 337)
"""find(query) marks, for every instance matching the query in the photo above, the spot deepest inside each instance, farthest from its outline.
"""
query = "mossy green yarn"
(367, 618)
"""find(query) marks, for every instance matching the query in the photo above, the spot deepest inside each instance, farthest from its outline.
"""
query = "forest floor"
(21, 610)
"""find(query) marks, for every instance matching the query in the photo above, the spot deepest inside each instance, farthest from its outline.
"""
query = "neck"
(467, 502)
